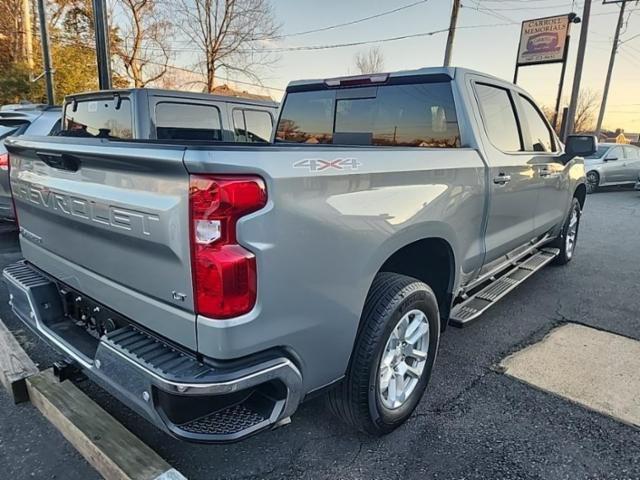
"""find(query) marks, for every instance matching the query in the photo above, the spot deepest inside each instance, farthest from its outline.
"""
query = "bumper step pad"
(471, 308)
(229, 421)
(193, 398)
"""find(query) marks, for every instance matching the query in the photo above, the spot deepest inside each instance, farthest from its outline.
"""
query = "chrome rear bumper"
(191, 398)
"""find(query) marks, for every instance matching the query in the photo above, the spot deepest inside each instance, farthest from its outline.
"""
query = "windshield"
(12, 127)
(599, 153)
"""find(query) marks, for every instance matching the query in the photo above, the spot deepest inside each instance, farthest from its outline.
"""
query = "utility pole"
(102, 44)
(452, 32)
(582, 47)
(27, 34)
(573, 18)
(612, 59)
(46, 53)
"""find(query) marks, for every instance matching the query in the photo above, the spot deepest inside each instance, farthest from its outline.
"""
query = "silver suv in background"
(22, 119)
(167, 116)
(612, 164)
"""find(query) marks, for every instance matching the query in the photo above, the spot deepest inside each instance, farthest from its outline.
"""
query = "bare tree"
(588, 103)
(231, 35)
(144, 36)
(371, 61)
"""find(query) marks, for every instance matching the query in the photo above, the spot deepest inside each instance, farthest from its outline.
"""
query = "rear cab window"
(109, 117)
(420, 115)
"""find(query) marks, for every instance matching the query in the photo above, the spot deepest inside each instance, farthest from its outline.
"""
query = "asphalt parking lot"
(473, 422)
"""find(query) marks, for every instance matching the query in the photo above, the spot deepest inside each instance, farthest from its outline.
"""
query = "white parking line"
(596, 369)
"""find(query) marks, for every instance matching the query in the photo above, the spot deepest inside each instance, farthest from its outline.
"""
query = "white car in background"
(612, 164)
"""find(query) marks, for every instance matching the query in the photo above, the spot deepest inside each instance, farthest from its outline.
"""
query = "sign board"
(543, 40)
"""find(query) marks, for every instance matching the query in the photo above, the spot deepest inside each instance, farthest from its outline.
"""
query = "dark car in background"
(21, 119)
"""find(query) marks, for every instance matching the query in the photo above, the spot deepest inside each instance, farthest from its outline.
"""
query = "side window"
(239, 126)
(541, 137)
(252, 126)
(499, 117)
(56, 128)
(615, 154)
(632, 153)
(187, 121)
(258, 125)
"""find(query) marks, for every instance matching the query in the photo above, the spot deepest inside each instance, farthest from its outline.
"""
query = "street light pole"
(452, 32)
(612, 59)
(46, 53)
(582, 47)
(102, 44)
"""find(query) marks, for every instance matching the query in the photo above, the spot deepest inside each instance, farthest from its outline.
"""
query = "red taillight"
(4, 161)
(224, 272)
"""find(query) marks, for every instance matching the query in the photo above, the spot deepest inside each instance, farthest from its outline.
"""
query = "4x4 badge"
(319, 164)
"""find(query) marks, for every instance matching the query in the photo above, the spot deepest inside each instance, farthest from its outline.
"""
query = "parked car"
(214, 287)
(21, 119)
(612, 164)
(168, 115)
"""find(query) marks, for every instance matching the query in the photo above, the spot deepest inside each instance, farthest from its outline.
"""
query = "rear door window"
(499, 117)
(184, 121)
(252, 126)
(408, 115)
(105, 118)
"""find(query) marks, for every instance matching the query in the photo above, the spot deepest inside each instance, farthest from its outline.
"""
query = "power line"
(351, 44)
(345, 24)
(539, 7)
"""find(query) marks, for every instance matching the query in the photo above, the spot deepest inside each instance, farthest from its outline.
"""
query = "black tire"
(357, 399)
(567, 253)
(593, 182)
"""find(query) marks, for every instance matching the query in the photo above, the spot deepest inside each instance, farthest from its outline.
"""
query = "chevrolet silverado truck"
(214, 287)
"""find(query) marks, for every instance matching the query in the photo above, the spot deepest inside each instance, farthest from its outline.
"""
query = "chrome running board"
(479, 302)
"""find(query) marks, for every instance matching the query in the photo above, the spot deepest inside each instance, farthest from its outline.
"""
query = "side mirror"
(610, 159)
(580, 146)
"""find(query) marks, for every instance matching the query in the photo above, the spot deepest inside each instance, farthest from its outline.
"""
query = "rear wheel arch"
(430, 260)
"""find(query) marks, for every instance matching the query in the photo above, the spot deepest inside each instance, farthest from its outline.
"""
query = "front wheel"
(593, 182)
(393, 356)
(568, 238)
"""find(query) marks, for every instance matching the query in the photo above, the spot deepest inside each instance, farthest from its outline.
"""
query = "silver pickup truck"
(213, 288)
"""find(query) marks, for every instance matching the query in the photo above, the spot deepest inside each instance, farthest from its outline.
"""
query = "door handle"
(545, 173)
(501, 179)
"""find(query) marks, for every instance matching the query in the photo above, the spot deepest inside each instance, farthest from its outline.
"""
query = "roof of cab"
(450, 72)
(175, 94)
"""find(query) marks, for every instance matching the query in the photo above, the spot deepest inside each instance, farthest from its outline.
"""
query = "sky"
(486, 40)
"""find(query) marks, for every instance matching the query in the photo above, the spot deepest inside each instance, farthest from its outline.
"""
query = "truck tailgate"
(111, 220)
